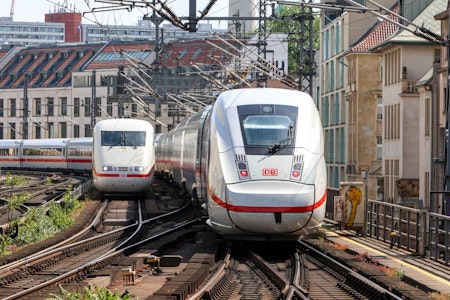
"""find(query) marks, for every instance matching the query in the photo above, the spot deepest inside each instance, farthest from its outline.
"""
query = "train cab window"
(123, 138)
(268, 128)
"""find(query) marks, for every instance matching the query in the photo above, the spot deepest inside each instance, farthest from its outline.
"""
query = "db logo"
(270, 172)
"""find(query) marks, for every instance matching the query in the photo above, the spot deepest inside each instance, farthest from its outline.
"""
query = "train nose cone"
(270, 207)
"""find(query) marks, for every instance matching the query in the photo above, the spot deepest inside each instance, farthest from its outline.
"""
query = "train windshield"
(268, 129)
(123, 138)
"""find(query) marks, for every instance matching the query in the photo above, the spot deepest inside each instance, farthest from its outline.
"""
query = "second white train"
(123, 156)
(255, 160)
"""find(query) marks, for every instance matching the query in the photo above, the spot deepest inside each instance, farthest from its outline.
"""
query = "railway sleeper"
(349, 290)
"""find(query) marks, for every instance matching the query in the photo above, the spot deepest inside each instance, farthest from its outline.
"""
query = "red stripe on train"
(268, 209)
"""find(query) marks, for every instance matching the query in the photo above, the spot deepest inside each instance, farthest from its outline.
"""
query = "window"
(87, 130)
(50, 107)
(76, 130)
(80, 151)
(37, 107)
(63, 129)
(43, 151)
(379, 148)
(37, 131)
(123, 138)
(427, 116)
(267, 125)
(379, 108)
(63, 111)
(76, 107)
(51, 130)
(87, 107)
(1, 107)
(109, 109)
(98, 106)
(12, 132)
(12, 107)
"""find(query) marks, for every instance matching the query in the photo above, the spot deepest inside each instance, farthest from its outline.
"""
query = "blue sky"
(34, 10)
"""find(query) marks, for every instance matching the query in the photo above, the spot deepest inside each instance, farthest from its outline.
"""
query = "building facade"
(339, 33)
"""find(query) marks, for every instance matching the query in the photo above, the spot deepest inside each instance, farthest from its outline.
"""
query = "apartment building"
(374, 90)
(339, 33)
(407, 59)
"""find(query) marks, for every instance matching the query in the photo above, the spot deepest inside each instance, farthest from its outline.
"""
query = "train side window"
(43, 152)
(80, 151)
(7, 152)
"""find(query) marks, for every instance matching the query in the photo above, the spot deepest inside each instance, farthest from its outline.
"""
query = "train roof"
(45, 142)
(9, 143)
(263, 96)
(123, 124)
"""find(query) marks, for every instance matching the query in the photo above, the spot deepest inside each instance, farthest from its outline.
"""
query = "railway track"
(287, 274)
(75, 260)
(38, 188)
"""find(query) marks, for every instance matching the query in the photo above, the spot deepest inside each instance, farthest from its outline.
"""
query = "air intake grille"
(298, 158)
(240, 157)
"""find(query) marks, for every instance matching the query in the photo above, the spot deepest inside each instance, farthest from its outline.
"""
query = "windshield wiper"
(278, 146)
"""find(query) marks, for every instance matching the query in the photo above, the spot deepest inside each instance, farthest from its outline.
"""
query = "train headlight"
(139, 168)
(107, 168)
(243, 170)
(297, 168)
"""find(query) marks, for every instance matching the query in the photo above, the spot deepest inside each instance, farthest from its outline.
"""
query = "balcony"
(409, 86)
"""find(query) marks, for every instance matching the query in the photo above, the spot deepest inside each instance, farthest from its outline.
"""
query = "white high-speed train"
(64, 155)
(255, 160)
(124, 156)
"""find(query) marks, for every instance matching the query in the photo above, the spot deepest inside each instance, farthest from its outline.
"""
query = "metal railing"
(439, 237)
(387, 221)
(415, 230)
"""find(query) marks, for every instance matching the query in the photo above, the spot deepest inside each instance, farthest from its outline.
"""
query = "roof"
(46, 66)
(426, 78)
(115, 54)
(198, 52)
(426, 19)
(380, 33)
(3, 53)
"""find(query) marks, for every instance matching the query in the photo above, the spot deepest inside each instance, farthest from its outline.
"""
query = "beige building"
(350, 92)
(407, 59)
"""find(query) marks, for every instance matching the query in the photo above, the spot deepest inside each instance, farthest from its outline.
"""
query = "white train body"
(256, 160)
(63, 155)
(124, 156)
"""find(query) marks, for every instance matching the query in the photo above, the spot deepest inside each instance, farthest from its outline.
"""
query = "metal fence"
(415, 230)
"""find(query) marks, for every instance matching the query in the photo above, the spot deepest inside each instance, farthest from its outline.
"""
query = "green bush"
(41, 223)
(98, 294)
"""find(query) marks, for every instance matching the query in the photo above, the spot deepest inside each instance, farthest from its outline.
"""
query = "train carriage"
(10, 153)
(44, 154)
(258, 163)
(79, 155)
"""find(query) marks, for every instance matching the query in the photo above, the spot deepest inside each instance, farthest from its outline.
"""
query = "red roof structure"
(380, 33)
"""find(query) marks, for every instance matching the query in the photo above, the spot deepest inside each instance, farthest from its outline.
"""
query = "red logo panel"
(270, 172)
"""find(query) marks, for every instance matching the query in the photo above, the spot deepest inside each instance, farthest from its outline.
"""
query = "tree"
(289, 20)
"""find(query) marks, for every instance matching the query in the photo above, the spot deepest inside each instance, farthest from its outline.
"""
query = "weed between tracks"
(364, 257)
